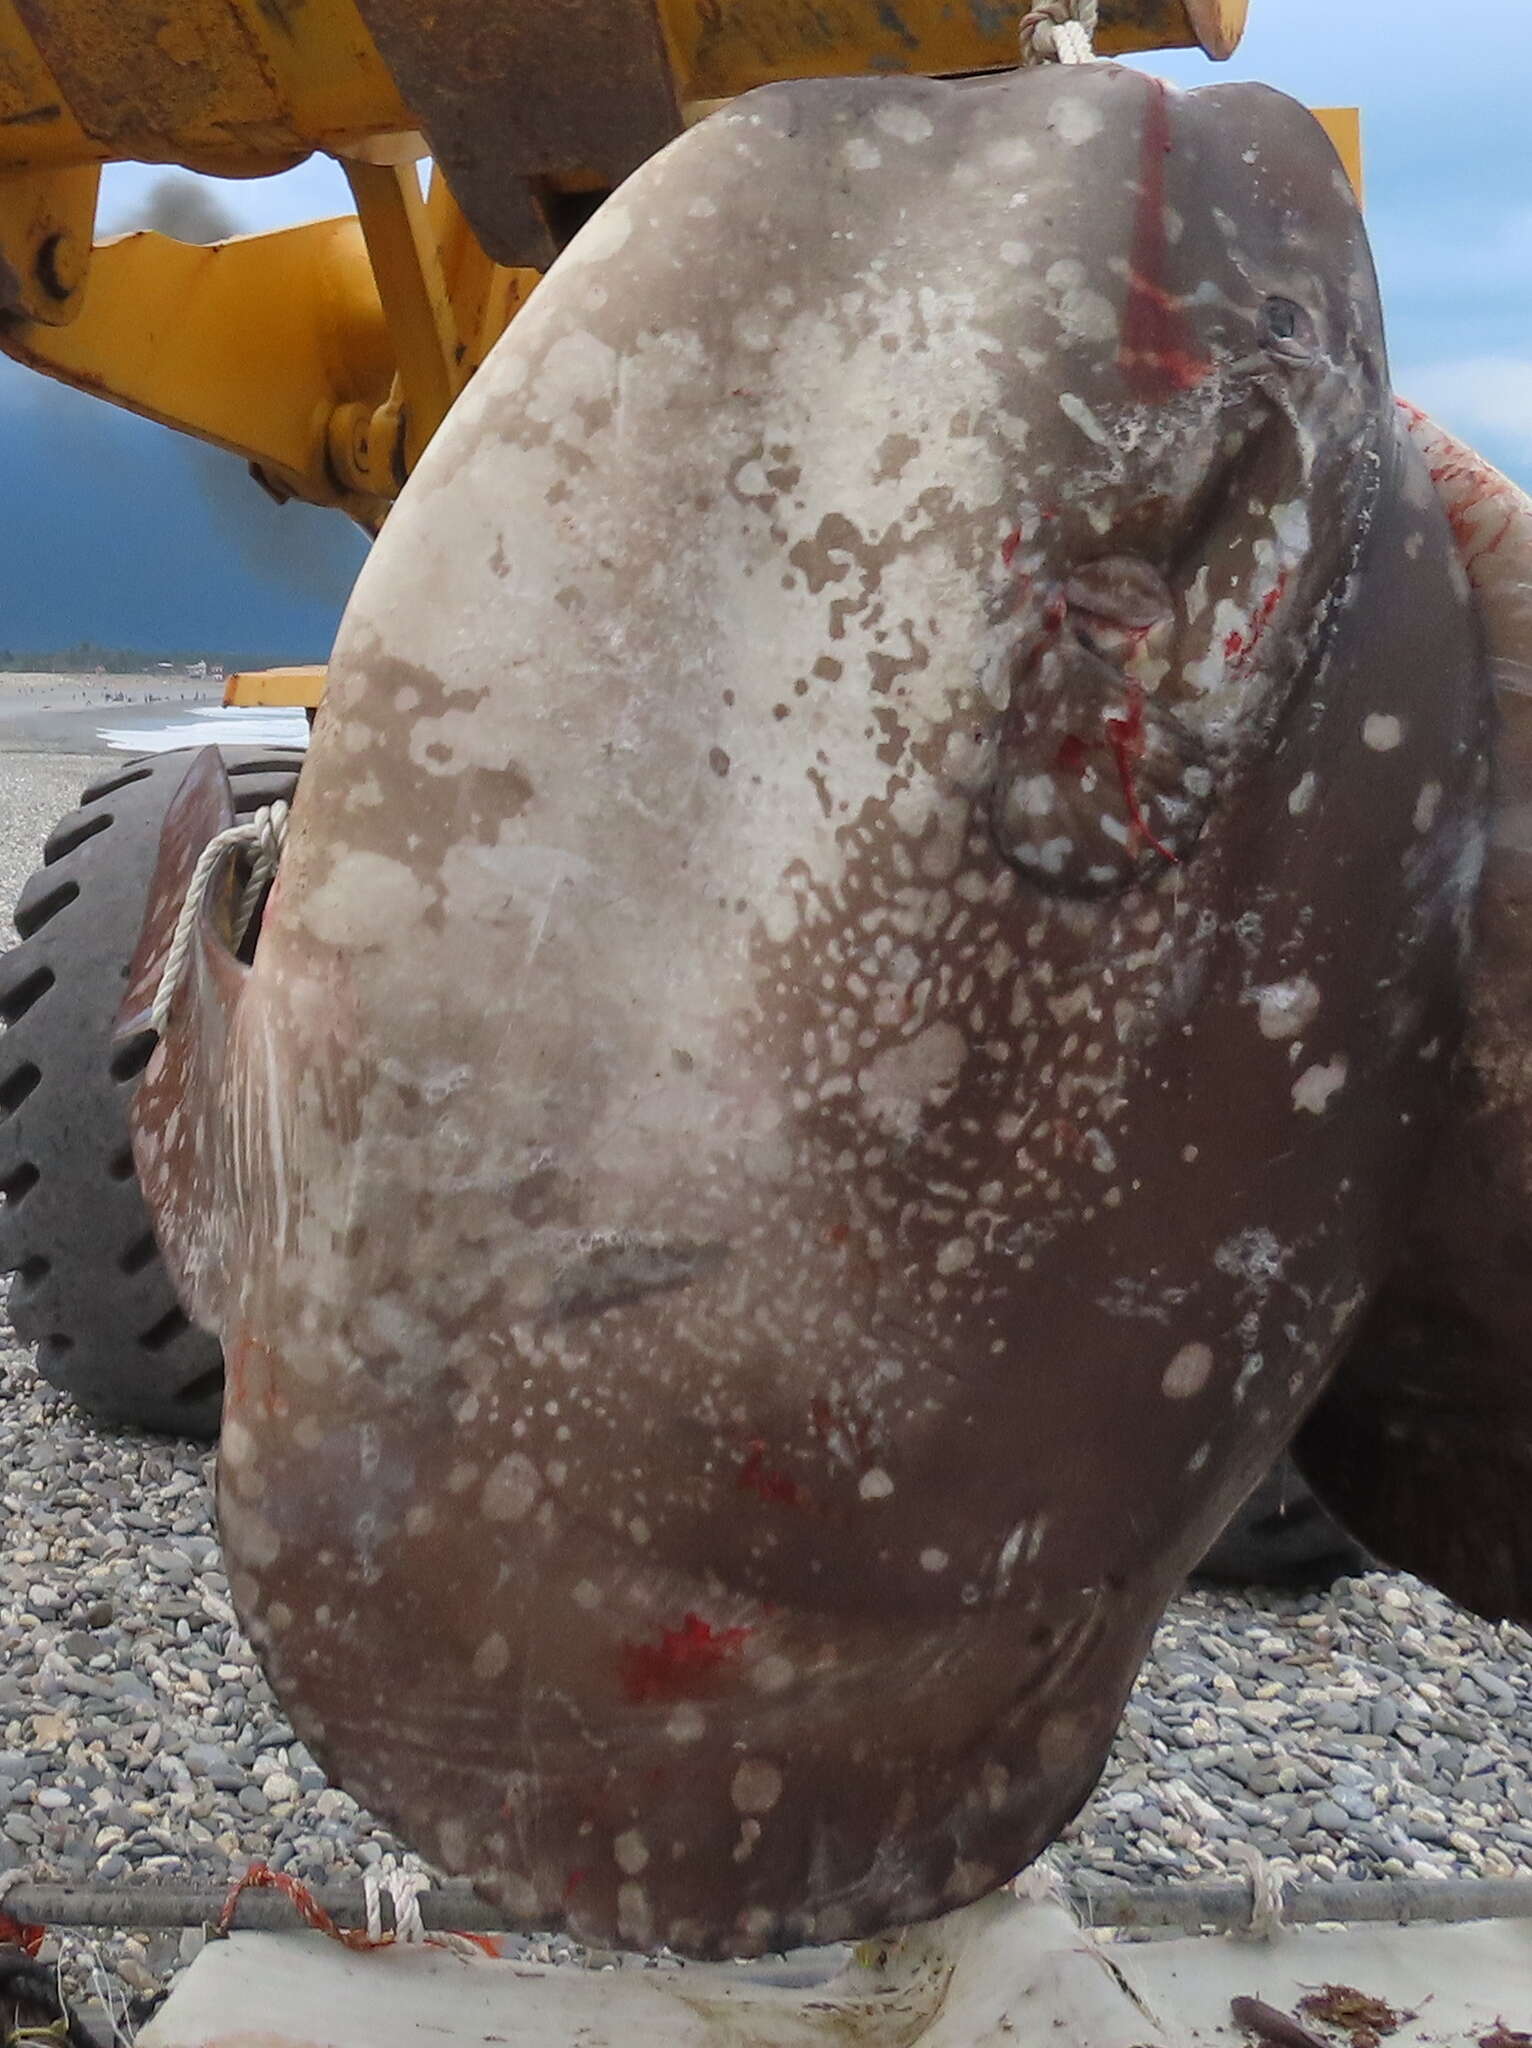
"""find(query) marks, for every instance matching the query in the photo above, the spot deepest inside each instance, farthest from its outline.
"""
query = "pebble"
(1374, 1730)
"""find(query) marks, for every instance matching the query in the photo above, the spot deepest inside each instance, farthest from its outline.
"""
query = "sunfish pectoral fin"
(1422, 1447)
(201, 808)
(179, 1109)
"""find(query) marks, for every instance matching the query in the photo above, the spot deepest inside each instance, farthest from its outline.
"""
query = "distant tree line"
(86, 656)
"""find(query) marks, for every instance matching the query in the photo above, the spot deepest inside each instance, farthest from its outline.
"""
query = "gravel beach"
(1377, 1730)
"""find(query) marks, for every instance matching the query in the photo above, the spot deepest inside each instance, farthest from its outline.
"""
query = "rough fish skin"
(861, 976)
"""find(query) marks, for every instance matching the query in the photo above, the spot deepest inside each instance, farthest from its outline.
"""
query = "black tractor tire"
(1282, 1537)
(90, 1289)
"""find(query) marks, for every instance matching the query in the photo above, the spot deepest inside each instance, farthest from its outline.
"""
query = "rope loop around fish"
(1059, 32)
(265, 834)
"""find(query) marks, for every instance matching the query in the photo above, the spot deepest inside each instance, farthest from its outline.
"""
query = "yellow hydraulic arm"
(326, 355)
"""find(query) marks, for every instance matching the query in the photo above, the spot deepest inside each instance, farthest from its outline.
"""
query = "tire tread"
(91, 1291)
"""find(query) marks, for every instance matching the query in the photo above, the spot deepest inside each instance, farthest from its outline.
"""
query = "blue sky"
(118, 531)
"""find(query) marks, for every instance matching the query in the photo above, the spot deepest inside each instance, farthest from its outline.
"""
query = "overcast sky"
(114, 530)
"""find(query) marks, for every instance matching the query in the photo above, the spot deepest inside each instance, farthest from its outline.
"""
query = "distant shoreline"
(62, 690)
(44, 713)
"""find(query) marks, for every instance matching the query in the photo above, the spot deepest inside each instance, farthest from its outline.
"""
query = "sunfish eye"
(1286, 329)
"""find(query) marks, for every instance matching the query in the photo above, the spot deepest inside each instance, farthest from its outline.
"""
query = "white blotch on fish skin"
(419, 1520)
(899, 119)
(280, 1615)
(1075, 121)
(875, 1485)
(1188, 1372)
(1315, 1085)
(1074, 409)
(248, 1534)
(1082, 313)
(1427, 804)
(757, 1922)
(903, 1077)
(934, 1560)
(756, 1786)
(861, 154)
(773, 1674)
(1302, 793)
(1252, 1255)
(1286, 1009)
(603, 235)
(452, 1840)
(511, 1490)
(1010, 1554)
(1381, 731)
(492, 1657)
(956, 1255)
(686, 1724)
(586, 1594)
(1199, 1457)
(635, 1920)
(362, 897)
(236, 1445)
(631, 1852)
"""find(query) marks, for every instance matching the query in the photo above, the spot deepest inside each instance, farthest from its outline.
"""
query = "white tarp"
(1007, 1973)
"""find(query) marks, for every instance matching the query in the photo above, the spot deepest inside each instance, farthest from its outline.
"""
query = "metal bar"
(407, 267)
(1226, 1908)
(1191, 1908)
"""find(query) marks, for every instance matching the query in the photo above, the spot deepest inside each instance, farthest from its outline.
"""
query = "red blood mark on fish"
(1159, 353)
(1009, 546)
(1243, 646)
(1473, 485)
(1073, 755)
(248, 1376)
(776, 1488)
(573, 1882)
(682, 1664)
(1125, 737)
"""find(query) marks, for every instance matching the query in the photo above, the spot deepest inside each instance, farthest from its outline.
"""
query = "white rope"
(1266, 1920)
(265, 834)
(402, 1889)
(1059, 32)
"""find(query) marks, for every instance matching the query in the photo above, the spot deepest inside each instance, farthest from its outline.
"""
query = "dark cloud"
(311, 552)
